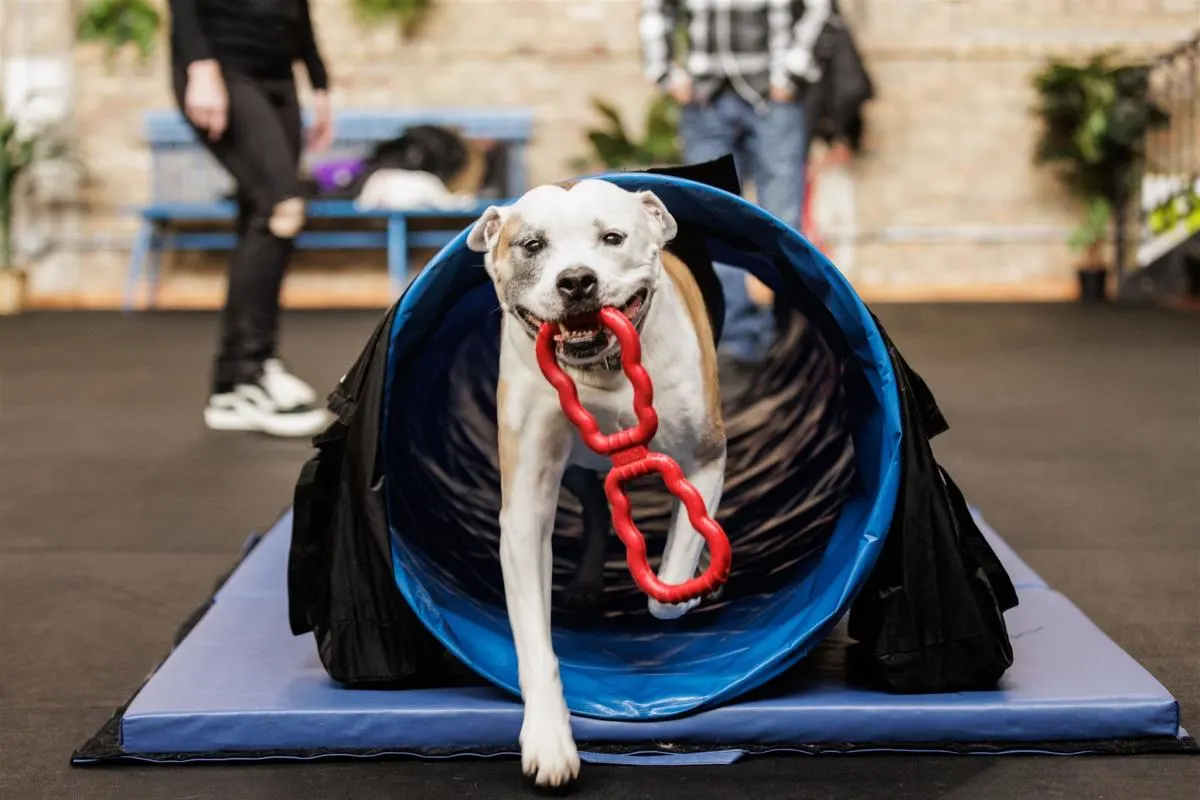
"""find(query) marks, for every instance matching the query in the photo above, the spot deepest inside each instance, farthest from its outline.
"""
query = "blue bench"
(188, 209)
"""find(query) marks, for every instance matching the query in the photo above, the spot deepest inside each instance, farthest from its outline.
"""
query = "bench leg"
(142, 246)
(518, 180)
(162, 243)
(397, 253)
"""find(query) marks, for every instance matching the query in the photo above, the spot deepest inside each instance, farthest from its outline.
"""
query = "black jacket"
(833, 105)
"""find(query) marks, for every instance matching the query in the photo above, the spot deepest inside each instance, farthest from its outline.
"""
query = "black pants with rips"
(261, 150)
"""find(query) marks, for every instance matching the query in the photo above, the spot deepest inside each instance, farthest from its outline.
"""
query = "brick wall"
(948, 203)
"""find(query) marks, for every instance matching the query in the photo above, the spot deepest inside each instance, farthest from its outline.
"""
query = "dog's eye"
(613, 238)
(532, 246)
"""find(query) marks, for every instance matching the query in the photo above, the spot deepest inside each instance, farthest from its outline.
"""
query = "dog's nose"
(577, 284)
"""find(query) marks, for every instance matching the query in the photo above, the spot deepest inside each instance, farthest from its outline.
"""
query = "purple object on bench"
(337, 173)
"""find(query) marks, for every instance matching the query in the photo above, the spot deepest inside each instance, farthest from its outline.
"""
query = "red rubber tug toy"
(629, 451)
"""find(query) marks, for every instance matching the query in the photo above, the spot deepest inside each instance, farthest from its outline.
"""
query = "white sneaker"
(285, 387)
(280, 404)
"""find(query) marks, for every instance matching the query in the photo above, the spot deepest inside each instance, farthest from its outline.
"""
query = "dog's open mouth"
(582, 339)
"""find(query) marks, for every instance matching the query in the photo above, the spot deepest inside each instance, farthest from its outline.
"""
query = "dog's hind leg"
(684, 545)
(587, 587)
(534, 441)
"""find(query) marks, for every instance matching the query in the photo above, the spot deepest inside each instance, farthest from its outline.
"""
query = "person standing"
(834, 115)
(233, 79)
(739, 85)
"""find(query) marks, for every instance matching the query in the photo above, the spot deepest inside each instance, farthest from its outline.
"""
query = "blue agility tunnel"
(867, 609)
(442, 510)
(816, 467)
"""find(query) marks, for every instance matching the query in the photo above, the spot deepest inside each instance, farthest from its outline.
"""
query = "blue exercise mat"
(240, 686)
(763, 667)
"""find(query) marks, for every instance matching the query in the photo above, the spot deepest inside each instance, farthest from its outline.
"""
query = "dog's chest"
(677, 428)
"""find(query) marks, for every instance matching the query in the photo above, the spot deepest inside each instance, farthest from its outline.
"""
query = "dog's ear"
(660, 219)
(484, 233)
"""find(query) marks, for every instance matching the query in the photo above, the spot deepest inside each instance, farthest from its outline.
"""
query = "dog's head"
(560, 254)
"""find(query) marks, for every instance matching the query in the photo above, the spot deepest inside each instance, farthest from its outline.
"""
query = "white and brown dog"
(559, 254)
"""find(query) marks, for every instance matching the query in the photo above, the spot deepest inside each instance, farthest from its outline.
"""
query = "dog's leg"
(587, 587)
(684, 545)
(534, 443)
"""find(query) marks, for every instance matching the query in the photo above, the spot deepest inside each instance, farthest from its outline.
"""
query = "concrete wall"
(947, 201)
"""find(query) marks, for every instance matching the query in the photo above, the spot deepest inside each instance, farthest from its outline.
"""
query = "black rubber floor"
(1076, 430)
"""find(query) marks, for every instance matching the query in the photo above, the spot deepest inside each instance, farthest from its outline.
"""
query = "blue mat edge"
(1181, 743)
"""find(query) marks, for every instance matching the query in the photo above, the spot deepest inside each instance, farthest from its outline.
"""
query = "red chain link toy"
(628, 449)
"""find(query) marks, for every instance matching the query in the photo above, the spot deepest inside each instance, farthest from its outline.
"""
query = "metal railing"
(1167, 210)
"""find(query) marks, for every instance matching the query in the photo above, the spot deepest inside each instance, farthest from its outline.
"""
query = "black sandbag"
(340, 581)
(930, 617)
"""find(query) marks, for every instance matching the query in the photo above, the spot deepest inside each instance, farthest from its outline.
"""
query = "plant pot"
(1093, 284)
(13, 285)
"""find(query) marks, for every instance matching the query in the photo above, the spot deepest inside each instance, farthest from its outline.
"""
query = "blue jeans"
(769, 150)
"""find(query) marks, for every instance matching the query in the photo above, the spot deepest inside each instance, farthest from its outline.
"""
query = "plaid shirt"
(751, 44)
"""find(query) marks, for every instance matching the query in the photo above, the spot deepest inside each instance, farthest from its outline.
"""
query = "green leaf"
(610, 113)
(1095, 227)
(581, 164)
(613, 147)
(120, 23)
(1095, 116)
(611, 150)
(409, 13)
(662, 121)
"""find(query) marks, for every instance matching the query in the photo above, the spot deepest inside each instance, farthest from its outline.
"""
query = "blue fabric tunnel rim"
(483, 642)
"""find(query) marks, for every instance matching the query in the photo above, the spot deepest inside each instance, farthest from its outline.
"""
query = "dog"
(402, 188)
(427, 165)
(559, 254)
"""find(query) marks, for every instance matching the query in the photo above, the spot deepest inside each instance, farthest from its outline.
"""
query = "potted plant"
(1095, 117)
(119, 23)
(613, 148)
(16, 154)
(408, 13)
(21, 148)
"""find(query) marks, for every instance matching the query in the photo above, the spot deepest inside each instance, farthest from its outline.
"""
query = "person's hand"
(206, 100)
(679, 87)
(320, 134)
(782, 94)
(760, 294)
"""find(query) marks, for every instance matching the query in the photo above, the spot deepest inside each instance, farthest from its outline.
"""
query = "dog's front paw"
(671, 610)
(548, 753)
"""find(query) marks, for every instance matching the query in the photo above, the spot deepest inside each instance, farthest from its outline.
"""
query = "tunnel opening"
(810, 481)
